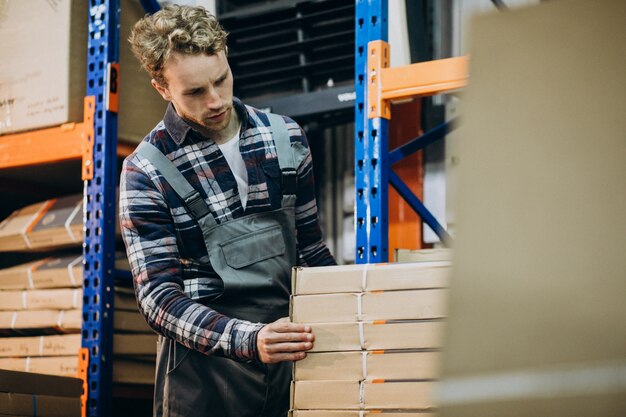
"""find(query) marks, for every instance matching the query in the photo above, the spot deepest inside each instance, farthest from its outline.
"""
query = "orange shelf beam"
(68, 141)
(421, 79)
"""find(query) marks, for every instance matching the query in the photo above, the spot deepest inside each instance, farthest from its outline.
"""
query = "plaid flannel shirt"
(173, 277)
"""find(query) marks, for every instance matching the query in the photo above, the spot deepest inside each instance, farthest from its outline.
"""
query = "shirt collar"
(179, 129)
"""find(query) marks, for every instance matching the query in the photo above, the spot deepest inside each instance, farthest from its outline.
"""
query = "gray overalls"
(253, 255)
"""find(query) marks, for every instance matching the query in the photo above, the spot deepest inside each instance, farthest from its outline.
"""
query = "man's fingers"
(273, 337)
(285, 326)
(282, 357)
(287, 347)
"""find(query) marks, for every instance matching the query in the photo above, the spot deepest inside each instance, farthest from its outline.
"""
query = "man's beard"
(209, 125)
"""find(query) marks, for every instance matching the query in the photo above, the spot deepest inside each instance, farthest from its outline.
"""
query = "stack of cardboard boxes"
(377, 333)
(23, 394)
(41, 318)
(41, 302)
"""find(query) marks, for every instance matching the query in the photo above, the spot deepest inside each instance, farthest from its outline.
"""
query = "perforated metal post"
(100, 204)
(371, 143)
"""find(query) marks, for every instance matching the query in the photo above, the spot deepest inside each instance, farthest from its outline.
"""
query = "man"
(216, 205)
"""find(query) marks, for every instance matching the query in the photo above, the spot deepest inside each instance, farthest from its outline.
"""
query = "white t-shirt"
(230, 150)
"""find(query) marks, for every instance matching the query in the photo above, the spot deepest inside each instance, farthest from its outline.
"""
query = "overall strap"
(176, 180)
(286, 159)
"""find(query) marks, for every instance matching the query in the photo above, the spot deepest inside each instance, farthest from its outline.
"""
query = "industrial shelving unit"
(376, 85)
(94, 140)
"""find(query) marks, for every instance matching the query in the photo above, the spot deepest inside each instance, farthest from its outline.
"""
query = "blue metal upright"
(99, 205)
(371, 143)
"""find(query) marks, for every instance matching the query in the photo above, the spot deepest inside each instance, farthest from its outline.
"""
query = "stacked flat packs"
(41, 318)
(50, 224)
(377, 333)
(28, 394)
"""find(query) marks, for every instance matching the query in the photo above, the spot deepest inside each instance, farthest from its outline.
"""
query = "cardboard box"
(134, 344)
(367, 395)
(57, 299)
(371, 365)
(423, 255)
(370, 277)
(54, 365)
(68, 321)
(54, 223)
(133, 371)
(43, 78)
(124, 299)
(540, 268)
(55, 345)
(27, 383)
(380, 305)
(359, 413)
(130, 321)
(69, 344)
(38, 405)
(331, 337)
(52, 272)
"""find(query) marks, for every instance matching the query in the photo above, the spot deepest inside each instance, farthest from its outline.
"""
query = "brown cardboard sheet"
(50, 272)
(356, 366)
(369, 395)
(44, 76)
(67, 321)
(131, 322)
(55, 299)
(539, 277)
(423, 255)
(133, 371)
(29, 383)
(134, 344)
(370, 277)
(359, 413)
(54, 365)
(54, 345)
(381, 305)
(331, 337)
(38, 405)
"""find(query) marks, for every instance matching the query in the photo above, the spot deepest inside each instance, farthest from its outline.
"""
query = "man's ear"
(162, 90)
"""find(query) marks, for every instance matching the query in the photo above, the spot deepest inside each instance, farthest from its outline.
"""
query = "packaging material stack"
(43, 79)
(24, 394)
(41, 318)
(378, 332)
(537, 307)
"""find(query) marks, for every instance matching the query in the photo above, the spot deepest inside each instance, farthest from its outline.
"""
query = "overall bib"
(253, 255)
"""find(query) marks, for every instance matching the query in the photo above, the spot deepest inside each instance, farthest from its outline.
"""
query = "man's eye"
(194, 92)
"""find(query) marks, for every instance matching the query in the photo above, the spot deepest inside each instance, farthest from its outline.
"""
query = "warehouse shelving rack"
(94, 140)
(376, 85)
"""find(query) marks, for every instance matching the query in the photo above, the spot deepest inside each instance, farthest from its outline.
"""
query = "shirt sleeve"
(151, 245)
(312, 249)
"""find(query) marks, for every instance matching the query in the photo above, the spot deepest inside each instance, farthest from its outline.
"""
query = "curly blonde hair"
(184, 29)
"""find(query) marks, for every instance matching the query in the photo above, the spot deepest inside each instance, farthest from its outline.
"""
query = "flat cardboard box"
(43, 78)
(367, 395)
(51, 272)
(133, 372)
(38, 405)
(380, 305)
(130, 321)
(29, 383)
(56, 299)
(55, 345)
(54, 365)
(134, 344)
(370, 277)
(371, 365)
(333, 337)
(359, 413)
(539, 273)
(68, 321)
(69, 344)
(124, 299)
(423, 255)
(51, 224)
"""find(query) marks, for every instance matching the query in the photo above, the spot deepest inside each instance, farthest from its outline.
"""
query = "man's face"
(201, 89)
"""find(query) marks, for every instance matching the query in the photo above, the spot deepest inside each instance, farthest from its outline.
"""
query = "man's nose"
(214, 101)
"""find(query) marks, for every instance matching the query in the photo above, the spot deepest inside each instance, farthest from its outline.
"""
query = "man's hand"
(284, 341)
